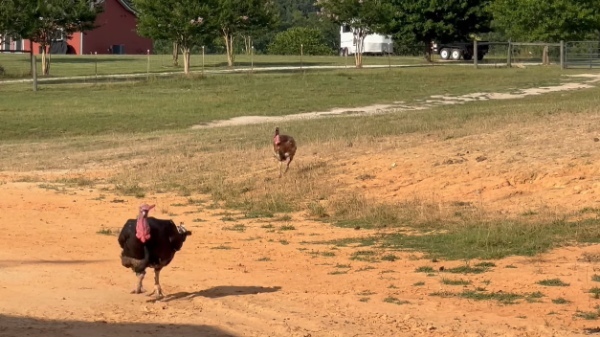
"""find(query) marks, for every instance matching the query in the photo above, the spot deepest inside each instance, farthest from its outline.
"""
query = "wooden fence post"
(509, 58)
(562, 54)
(34, 71)
(475, 54)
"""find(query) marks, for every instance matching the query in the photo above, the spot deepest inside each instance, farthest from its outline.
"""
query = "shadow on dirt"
(15, 263)
(220, 291)
(33, 327)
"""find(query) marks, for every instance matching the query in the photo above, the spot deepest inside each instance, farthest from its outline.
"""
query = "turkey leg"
(157, 289)
(138, 287)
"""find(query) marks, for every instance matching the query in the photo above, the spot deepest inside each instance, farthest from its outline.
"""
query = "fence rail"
(15, 64)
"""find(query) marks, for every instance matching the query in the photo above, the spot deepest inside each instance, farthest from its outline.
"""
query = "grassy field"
(140, 132)
(179, 103)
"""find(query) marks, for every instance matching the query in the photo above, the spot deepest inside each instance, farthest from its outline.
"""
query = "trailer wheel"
(456, 54)
(445, 54)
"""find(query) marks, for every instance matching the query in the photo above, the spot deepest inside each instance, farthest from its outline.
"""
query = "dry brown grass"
(234, 165)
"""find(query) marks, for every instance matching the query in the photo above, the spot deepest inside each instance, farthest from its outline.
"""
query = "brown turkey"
(284, 148)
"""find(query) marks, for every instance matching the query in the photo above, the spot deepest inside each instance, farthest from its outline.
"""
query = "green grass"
(78, 181)
(359, 242)
(108, 231)
(596, 278)
(497, 239)
(588, 315)
(226, 96)
(595, 291)
(466, 269)
(131, 189)
(366, 293)
(390, 257)
(425, 269)
(364, 255)
(500, 297)
(560, 300)
(254, 214)
(555, 282)
(235, 228)
(455, 282)
(342, 265)
(222, 247)
(394, 300)
(284, 218)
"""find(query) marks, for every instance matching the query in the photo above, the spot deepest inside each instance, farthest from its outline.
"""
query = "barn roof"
(128, 4)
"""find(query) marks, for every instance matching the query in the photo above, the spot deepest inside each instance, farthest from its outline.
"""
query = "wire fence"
(19, 65)
(582, 54)
(15, 65)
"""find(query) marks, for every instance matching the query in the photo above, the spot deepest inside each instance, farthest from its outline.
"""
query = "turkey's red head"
(145, 209)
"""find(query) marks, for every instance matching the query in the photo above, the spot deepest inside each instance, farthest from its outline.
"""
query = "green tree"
(242, 17)
(184, 22)
(548, 21)
(289, 42)
(329, 30)
(42, 21)
(445, 21)
(365, 17)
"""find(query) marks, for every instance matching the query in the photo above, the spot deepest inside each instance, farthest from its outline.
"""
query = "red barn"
(116, 34)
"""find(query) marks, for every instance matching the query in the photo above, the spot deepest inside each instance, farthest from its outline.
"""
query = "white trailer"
(372, 44)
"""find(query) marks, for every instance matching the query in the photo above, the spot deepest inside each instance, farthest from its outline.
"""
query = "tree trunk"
(229, 47)
(31, 55)
(186, 60)
(360, 46)
(45, 61)
(427, 51)
(248, 43)
(545, 58)
(175, 54)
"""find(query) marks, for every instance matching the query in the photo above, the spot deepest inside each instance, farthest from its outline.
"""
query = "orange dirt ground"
(59, 277)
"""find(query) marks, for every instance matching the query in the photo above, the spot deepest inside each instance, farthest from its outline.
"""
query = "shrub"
(288, 42)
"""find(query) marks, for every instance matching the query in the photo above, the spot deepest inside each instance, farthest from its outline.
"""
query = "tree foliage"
(15, 18)
(292, 40)
(42, 21)
(548, 21)
(235, 17)
(186, 22)
(365, 17)
(422, 21)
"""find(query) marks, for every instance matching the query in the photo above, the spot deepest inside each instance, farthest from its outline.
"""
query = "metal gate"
(582, 54)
